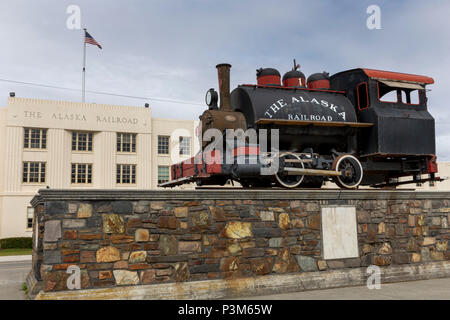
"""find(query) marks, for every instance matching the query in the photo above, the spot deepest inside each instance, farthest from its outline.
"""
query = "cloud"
(169, 49)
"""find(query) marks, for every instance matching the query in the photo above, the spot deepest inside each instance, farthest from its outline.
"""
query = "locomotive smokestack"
(223, 71)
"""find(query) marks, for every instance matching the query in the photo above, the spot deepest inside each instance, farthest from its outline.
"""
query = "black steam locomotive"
(357, 127)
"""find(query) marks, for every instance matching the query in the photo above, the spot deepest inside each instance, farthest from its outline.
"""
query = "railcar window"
(362, 96)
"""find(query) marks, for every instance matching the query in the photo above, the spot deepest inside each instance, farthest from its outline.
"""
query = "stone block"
(168, 223)
(436, 255)
(122, 207)
(335, 264)
(189, 246)
(113, 223)
(283, 221)
(87, 256)
(415, 257)
(73, 223)
(108, 254)
(441, 246)
(234, 249)
(285, 262)
(52, 257)
(382, 260)
(142, 207)
(107, 274)
(137, 257)
(157, 205)
(307, 264)
(181, 272)
(141, 235)
(218, 214)
(322, 265)
(238, 230)
(84, 210)
(229, 264)
(201, 219)
(261, 266)
(125, 277)
(385, 248)
(298, 223)
(148, 276)
(352, 262)
(52, 231)
(425, 254)
(266, 216)
(314, 221)
(56, 207)
(275, 242)
(400, 258)
(428, 241)
(121, 265)
(381, 228)
(411, 221)
(168, 245)
(181, 212)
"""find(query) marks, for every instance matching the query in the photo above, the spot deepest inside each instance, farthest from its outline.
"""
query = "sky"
(163, 51)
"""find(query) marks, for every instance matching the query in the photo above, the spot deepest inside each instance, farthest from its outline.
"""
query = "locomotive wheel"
(285, 180)
(352, 171)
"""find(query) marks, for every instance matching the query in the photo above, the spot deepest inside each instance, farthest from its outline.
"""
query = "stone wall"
(149, 237)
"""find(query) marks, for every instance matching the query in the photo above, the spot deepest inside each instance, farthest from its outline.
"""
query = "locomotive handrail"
(292, 88)
(314, 123)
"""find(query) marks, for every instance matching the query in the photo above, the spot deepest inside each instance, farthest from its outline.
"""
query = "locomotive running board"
(315, 123)
(177, 182)
(310, 172)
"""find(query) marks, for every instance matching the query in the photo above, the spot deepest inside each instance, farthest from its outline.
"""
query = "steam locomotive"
(358, 127)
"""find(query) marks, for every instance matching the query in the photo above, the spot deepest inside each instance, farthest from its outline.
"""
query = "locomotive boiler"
(339, 128)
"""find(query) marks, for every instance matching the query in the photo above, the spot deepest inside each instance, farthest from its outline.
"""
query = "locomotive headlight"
(211, 98)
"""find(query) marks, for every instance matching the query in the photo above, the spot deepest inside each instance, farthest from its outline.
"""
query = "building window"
(126, 174)
(185, 145)
(126, 142)
(163, 145)
(30, 214)
(33, 172)
(35, 138)
(81, 173)
(163, 174)
(81, 141)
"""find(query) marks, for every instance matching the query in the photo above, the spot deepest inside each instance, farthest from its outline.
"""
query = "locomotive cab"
(401, 141)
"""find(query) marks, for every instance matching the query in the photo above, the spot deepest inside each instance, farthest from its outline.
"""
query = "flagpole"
(84, 67)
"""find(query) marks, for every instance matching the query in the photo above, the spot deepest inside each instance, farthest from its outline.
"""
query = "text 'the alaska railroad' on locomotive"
(358, 127)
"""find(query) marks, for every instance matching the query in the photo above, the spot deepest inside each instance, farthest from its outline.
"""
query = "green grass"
(14, 252)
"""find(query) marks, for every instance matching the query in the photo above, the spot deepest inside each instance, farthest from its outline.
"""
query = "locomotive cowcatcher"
(358, 127)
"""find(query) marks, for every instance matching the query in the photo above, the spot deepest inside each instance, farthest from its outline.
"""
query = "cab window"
(410, 96)
(387, 93)
(362, 96)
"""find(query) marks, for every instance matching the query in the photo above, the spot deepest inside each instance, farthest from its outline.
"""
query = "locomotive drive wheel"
(285, 180)
(352, 171)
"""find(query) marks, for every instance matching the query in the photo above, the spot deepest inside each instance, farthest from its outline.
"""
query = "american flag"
(89, 39)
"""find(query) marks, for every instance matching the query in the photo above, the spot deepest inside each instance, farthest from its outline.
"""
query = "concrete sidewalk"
(435, 289)
(15, 258)
(12, 277)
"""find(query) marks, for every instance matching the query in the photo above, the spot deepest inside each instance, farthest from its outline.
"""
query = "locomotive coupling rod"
(310, 172)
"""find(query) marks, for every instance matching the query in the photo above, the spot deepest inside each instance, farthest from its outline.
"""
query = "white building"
(70, 145)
